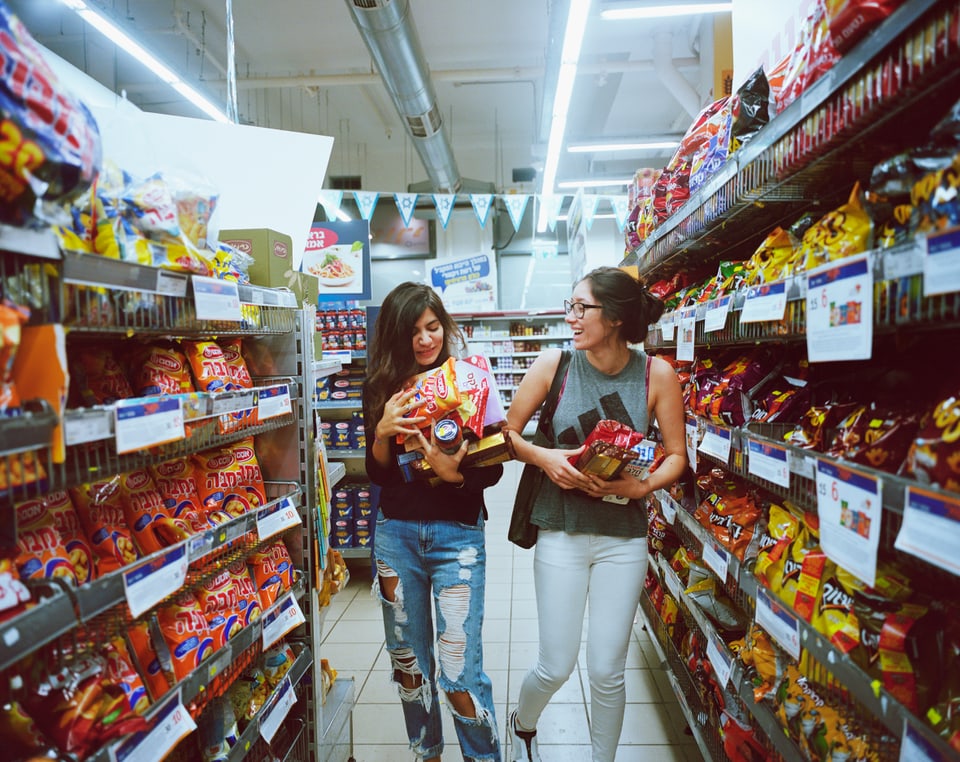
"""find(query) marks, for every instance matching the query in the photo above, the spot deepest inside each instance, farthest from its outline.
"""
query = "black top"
(418, 501)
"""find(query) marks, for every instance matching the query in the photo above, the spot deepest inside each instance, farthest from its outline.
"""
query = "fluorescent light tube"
(569, 57)
(608, 183)
(663, 10)
(121, 39)
(640, 145)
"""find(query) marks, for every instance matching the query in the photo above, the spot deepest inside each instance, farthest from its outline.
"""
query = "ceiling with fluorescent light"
(302, 65)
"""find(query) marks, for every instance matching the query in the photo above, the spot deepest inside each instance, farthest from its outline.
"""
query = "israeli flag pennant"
(482, 204)
(366, 203)
(619, 204)
(589, 205)
(516, 204)
(444, 204)
(330, 200)
(406, 205)
(551, 204)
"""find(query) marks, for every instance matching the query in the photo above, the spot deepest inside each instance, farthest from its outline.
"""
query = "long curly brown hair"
(390, 360)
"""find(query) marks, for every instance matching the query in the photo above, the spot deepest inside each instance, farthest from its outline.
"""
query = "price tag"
(816, 93)
(801, 465)
(668, 506)
(216, 299)
(80, 427)
(840, 311)
(284, 618)
(850, 510)
(722, 663)
(256, 296)
(151, 582)
(139, 425)
(171, 284)
(904, 261)
(716, 559)
(716, 317)
(273, 402)
(779, 622)
(277, 518)
(672, 581)
(941, 266)
(915, 748)
(716, 442)
(668, 325)
(692, 440)
(686, 334)
(231, 402)
(274, 715)
(931, 528)
(768, 461)
(171, 724)
(765, 303)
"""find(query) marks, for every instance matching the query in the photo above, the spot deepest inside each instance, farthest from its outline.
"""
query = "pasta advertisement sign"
(338, 254)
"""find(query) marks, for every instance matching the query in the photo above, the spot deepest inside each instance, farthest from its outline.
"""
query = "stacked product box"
(344, 386)
(353, 518)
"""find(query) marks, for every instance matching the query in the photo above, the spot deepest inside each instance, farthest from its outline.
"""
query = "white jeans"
(569, 570)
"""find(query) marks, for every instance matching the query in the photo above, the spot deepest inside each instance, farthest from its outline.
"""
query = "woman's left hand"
(447, 467)
(622, 486)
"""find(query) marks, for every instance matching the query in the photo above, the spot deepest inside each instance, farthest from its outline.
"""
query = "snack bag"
(220, 483)
(217, 730)
(933, 456)
(272, 572)
(782, 529)
(186, 633)
(248, 695)
(13, 593)
(219, 597)
(210, 369)
(67, 521)
(237, 370)
(145, 514)
(43, 554)
(437, 394)
(181, 499)
(121, 672)
(142, 649)
(99, 379)
(277, 662)
(773, 259)
(251, 477)
(12, 319)
(248, 606)
(609, 448)
(841, 233)
(850, 20)
(161, 370)
(834, 614)
(100, 510)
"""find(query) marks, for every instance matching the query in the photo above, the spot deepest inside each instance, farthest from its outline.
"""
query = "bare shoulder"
(662, 373)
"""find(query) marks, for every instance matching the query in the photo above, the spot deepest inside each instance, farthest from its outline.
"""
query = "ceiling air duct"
(391, 37)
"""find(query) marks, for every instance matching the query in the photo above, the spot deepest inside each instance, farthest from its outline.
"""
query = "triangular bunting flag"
(406, 205)
(482, 204)
(444, 204)
(366, 203)
(619, 204)
(589, 206)
(330, 200)
(516, 204)
(551, 204)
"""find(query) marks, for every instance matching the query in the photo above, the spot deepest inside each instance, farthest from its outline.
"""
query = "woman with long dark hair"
(589, 549)
(429, 551)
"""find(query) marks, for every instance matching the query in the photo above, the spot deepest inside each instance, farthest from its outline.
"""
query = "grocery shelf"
(45, 621)
(34, 243)
(326, 367)
(348, 453)
(337, 707)
(818, 146)
(335, 472)
(354, 552)
(339, 405)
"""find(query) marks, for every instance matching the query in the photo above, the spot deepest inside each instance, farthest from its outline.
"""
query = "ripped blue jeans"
(424, 567)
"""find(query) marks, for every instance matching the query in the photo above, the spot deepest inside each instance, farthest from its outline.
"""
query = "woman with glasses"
(592, 550)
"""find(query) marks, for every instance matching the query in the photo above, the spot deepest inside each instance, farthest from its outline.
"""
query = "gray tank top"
(590, 396)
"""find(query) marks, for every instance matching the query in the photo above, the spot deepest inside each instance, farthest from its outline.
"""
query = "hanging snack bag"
(781, 530)
(68, 525)
(99, 379)
(161, 370)
(12, 319)
(219, 597)
(251, 477)
(248, 607)
(730, 513)
(145, 514)
(210, 370)
(272, 572)
(841, 233)
(774, 258)
(186, 633)
(236, 366)
(14, 595)
(934, 456)
(181, 499)
(43, 554)
(141, 648)
(53, 142)
(219, 482)
(121, 672)
(100, 510)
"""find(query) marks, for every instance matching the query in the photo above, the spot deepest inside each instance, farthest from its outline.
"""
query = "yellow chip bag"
(841, 233)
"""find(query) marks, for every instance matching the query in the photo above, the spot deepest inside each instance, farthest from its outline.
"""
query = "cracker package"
(437, 395)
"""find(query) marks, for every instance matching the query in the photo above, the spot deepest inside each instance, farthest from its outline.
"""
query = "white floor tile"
(356, 631)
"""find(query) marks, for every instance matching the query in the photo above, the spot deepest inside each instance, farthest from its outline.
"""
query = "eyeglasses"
(579, 309)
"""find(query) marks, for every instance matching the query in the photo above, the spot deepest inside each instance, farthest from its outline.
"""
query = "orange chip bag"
(209, 366)
(219, 598)
(218, 478)
(437, 394)
(68, 525)
(251, 477)
(161, 370)
(101, 515)
(272, 572)
(122, 674)
(143, 508)
(19, 472)
(12, 319)
(186, 633)
(249, 608)
(236, 365)
(181, 499)
(43, 554)
(142, 647)
(99, 378)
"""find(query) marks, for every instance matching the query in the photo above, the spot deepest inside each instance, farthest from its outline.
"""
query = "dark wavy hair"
(626, 299)
(391, 362)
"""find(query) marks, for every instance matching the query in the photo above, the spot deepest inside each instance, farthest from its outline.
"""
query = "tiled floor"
(653, 728)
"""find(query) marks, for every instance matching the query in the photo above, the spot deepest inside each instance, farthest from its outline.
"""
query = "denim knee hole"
(404, 663)
(454, 603)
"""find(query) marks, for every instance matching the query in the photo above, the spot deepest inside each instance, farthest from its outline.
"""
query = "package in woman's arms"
(487, 451)
(609, 448)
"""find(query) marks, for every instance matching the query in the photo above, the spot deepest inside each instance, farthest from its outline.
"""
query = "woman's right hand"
(555, 465)
(392, 423)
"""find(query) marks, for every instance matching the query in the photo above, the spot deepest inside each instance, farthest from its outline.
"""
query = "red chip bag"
(249, 609)
(209, 366)
(251, 477)
(272, 572)
(68, 525)
(437, 394)
(145, 514)
(219, 482)
(99, 379)
(186, 634)
(161, 370)
(219, 598)
(145, 654)
(236, 365)
(101, 515)
(43, 554)
(181, 499)
(121, 672)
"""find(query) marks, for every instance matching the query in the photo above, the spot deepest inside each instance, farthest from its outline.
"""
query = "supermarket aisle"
(653, 725)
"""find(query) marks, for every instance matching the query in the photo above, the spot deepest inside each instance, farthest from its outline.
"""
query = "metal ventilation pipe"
(388, 30)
